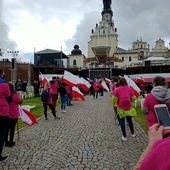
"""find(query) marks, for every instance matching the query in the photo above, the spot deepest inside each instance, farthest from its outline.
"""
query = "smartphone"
(162, 114)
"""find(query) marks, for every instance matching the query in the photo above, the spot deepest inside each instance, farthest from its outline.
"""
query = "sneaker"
(3, 159)
(46, 118)
(57, 118)
(64, 111)
(123, 138)
(133, 135)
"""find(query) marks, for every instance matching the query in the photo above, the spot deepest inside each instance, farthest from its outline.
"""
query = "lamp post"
(13, 65)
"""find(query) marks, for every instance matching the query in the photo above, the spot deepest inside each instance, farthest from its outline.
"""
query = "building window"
(130, 58)
(74, 62)
(103, 31)
(123, 59)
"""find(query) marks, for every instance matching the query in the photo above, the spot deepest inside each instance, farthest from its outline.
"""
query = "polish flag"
(77, 94)
(104, 85)
(85, 84)
(27, 117)
(72, 80)
(107, 80)
(133, 86)
(140, 80)
(43, 78)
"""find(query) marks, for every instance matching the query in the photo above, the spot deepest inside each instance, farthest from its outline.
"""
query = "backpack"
(45, 96)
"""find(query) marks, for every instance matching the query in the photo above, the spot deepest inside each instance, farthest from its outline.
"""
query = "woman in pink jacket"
(123, 97)
(49, 103)
(5, 99)
(158, 95)
(95, 89)
(13, 116)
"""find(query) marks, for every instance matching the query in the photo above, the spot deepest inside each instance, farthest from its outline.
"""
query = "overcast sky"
(64, 23)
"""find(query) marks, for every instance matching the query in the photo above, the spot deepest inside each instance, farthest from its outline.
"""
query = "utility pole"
(13, 65)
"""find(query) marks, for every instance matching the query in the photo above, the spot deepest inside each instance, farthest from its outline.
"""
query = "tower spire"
(107, 11)
(107, 4)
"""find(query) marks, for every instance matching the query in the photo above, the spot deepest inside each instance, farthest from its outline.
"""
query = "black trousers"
(10, 130)
(3, 129)
(51, 107)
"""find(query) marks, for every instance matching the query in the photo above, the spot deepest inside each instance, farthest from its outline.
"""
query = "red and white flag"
(77, 94)
(133, 86)
(85, 85)
(43, 78)
(107, 80)
(72, 80)
(27, 117)
(104, 85)
(140, 80)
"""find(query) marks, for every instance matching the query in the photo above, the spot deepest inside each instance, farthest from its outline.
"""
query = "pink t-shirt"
(158, 157)
(54, 87)
(96, 86)
(124, 95)
(4, 93)
(13, 106)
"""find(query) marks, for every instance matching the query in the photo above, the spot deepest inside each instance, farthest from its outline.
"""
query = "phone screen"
(163, 116)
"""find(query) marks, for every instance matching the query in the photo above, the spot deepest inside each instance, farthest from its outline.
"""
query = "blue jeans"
(63, 101)
(69, 99)
(122, 124)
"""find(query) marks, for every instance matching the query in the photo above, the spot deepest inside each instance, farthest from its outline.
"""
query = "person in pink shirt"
(13, 116)
(123, 97)
(95, 89)
(5, 99)
(49, 103)
(156, 155)
(54, 86)
(158, 95)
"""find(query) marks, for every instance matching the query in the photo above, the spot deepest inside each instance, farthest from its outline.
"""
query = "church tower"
(104, 42)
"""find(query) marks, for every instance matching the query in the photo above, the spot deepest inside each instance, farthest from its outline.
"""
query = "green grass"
(141, 118)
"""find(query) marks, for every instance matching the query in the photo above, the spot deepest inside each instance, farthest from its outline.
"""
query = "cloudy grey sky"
(55, 23)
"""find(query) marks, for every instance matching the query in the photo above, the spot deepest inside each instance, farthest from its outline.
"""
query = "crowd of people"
(122, 99)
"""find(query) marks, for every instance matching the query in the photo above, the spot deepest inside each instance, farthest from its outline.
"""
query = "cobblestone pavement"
(85, 138)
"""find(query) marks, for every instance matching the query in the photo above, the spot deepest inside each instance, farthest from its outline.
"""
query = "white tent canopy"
(156, 59)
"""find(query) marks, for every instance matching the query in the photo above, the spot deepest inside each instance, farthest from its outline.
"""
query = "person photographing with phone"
(158, 95)
(156, 155)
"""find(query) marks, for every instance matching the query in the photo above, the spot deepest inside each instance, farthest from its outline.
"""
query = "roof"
(47, 51)
(50, 52)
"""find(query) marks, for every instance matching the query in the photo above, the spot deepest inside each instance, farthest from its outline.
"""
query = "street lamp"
(13, 65)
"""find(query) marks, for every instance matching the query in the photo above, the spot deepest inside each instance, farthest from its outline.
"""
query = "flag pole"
(18, 129)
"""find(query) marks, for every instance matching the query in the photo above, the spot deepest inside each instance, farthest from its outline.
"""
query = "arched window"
(74, 62)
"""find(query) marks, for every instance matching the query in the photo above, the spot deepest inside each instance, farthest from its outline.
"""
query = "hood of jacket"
(161, 94)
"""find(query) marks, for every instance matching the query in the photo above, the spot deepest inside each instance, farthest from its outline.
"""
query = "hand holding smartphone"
(162, 114)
